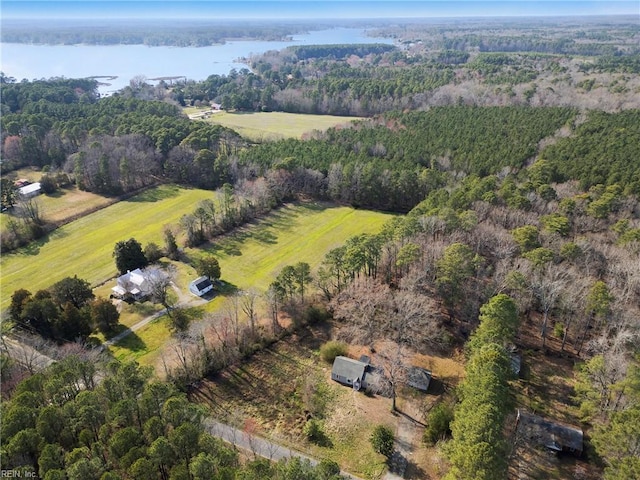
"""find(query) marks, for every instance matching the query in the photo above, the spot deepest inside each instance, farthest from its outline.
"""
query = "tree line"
(150, 33)
(66, 311)
(304, 52)
(478, 449)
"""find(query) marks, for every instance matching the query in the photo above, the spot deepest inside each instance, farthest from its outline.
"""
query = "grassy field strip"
(253, 257)
(272, 125)
(84, 247)
(63, 205)
(145, 345)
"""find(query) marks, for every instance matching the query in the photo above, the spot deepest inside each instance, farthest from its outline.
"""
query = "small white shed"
(200, 286)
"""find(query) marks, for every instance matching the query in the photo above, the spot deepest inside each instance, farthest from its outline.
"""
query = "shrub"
(556, 223)
(539, 256)
(314, 314)
(313, 431)
(631, 235)
(153, 252)
(570, 251)
(328, 469)
(48, 184)
(179, 320)
(382, 440)
(332, 349)
(546, 192)
(621, 226)
(438, 423)
(526, 237)
(558, 330)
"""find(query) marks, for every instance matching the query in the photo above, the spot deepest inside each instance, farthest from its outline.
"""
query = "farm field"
(61, 205)
(67, 203)
(253, 255)
(261, 126)
(84, 247)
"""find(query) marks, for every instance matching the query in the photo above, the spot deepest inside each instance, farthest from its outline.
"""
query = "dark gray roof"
(516, 363)
(549, 434)
(348, 368)
(419, 378)
(201, 283)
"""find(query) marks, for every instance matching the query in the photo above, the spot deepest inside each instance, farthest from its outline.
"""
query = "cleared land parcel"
(275, 125)
(84, 247)
(252, 256)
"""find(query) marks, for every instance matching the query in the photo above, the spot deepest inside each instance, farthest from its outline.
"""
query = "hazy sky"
(309, 9)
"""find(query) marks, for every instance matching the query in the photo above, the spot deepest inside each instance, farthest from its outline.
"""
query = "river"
(121, 63)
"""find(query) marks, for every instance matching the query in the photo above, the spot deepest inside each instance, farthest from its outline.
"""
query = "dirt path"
(408, 432)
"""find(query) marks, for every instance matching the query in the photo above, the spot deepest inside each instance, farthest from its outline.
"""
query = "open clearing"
(64, 205)
(61, 205)
(260, 126)
(274, 392)
(267, 396)
(68, 203)
(84, 247)
(253, 255)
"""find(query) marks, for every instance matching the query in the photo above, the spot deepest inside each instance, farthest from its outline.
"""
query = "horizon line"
(316, 19)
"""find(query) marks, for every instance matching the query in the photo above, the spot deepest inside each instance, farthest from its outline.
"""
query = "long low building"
(545, 433)
(30, 190)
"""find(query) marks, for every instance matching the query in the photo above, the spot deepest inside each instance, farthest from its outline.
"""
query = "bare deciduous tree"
(28, 208)
(393, 360)
(248, 302)
(159, 282)
(547, 286)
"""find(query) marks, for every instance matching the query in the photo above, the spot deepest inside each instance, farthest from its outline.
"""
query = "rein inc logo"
(17, 474)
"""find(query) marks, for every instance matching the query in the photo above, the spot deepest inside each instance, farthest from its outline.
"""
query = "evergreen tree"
(128, 255)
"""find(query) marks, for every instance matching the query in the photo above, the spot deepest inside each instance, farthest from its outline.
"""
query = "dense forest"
(518, 227)
(77, 421)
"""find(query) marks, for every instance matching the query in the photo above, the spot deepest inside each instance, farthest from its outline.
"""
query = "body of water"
(125, 62)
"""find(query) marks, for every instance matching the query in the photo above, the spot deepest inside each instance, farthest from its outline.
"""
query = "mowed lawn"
(84, 247)
(259, 126)
(252, 256)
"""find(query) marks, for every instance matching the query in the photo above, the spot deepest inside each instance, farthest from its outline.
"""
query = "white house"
(131, 285)
(200, 286)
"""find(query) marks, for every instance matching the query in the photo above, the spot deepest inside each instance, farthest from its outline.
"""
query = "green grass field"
(84, 247)
(260, 126)
(254, 255)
